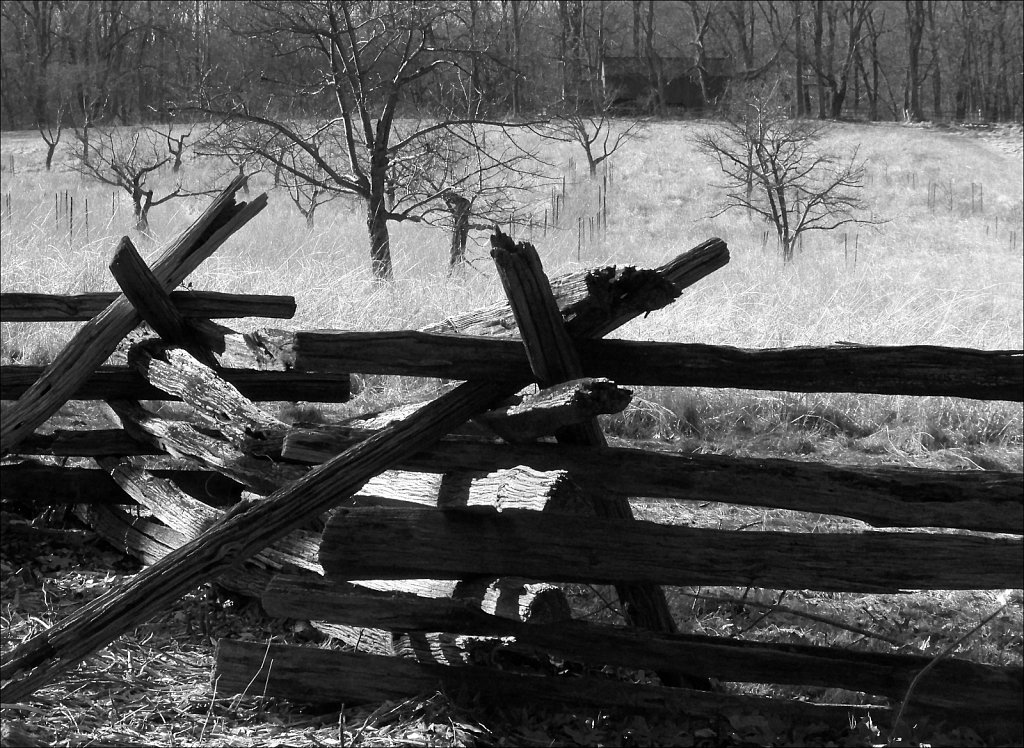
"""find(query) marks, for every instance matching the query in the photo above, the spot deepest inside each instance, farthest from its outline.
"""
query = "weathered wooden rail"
(388, 558)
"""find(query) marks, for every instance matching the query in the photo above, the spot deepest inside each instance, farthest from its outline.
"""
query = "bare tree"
(364, 60)
(306, 195)
(774, 168)
(51, 134)
(466, 176)
(176, 143)
(596, 133)
(125, 159)
(915, 33)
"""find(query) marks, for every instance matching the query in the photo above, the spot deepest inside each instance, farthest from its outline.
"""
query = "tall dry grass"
(935, 272)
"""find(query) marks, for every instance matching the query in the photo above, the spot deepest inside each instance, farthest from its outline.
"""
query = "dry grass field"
(937, 271)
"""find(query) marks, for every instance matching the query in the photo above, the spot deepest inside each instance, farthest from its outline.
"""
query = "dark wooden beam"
(907, 370)
(44, 307)
(565, 548)
(121, 382)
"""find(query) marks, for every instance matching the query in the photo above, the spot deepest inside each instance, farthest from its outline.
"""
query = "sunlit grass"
(933, 273)
(929, 275)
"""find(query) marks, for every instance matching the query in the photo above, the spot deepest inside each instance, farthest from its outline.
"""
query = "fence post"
(604, 204)
(579, 237)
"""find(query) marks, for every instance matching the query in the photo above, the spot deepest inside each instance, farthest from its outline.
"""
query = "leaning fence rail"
(466, 507)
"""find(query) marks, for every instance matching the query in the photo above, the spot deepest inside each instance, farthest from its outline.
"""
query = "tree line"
(129, 61)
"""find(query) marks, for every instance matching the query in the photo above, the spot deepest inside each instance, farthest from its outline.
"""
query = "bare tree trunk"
(143, 201)
(474, 94)
(915, 29)
(875, 70)
(936, 45)
(516, 77)
(600, 53)
(85, 142)
(801, 103)
(653, 65)
(377, 214)
(460, 210)
(818, 57)
(855, 21)
(637, 49)
(571, 17)
(962, 96)
(380, 240)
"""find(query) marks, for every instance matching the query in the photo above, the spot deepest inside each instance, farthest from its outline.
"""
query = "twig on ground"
(1005, 600)
(776, 608)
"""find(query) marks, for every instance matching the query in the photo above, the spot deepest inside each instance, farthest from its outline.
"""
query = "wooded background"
(132, 61)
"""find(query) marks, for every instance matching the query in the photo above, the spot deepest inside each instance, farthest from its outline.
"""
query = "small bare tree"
(596, 133)
(51, 134)
(125, 159)
(372, 64)
(177, 142)
(307, 195)
(774, 168)
(464, 176)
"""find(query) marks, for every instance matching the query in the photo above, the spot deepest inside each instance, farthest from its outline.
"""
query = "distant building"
(633, 82)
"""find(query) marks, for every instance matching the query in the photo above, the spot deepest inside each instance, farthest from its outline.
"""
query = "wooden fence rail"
(731, 660)
(987, 501)
(358, 544)
(614, 299)
(41, 307)
(473, 507)
(99, 337)
(906, 370)
(119, 382)
(324, 676)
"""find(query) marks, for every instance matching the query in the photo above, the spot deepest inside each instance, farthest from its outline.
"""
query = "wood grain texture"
(552, 355)
(215, 400)
(982, 500)
(909, 370)
(153, 303)
(240, 536)
(949, 684)
(43, 307)
(182, 439)
(526, 419)
(564, 548)
(119, 381)
(318, 676)
(41, 485)
(988, 501)
(98, 338)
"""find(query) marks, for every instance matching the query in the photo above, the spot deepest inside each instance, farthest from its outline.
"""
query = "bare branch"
(774, 169)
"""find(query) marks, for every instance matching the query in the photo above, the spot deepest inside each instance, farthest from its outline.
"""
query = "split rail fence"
(439, 532)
